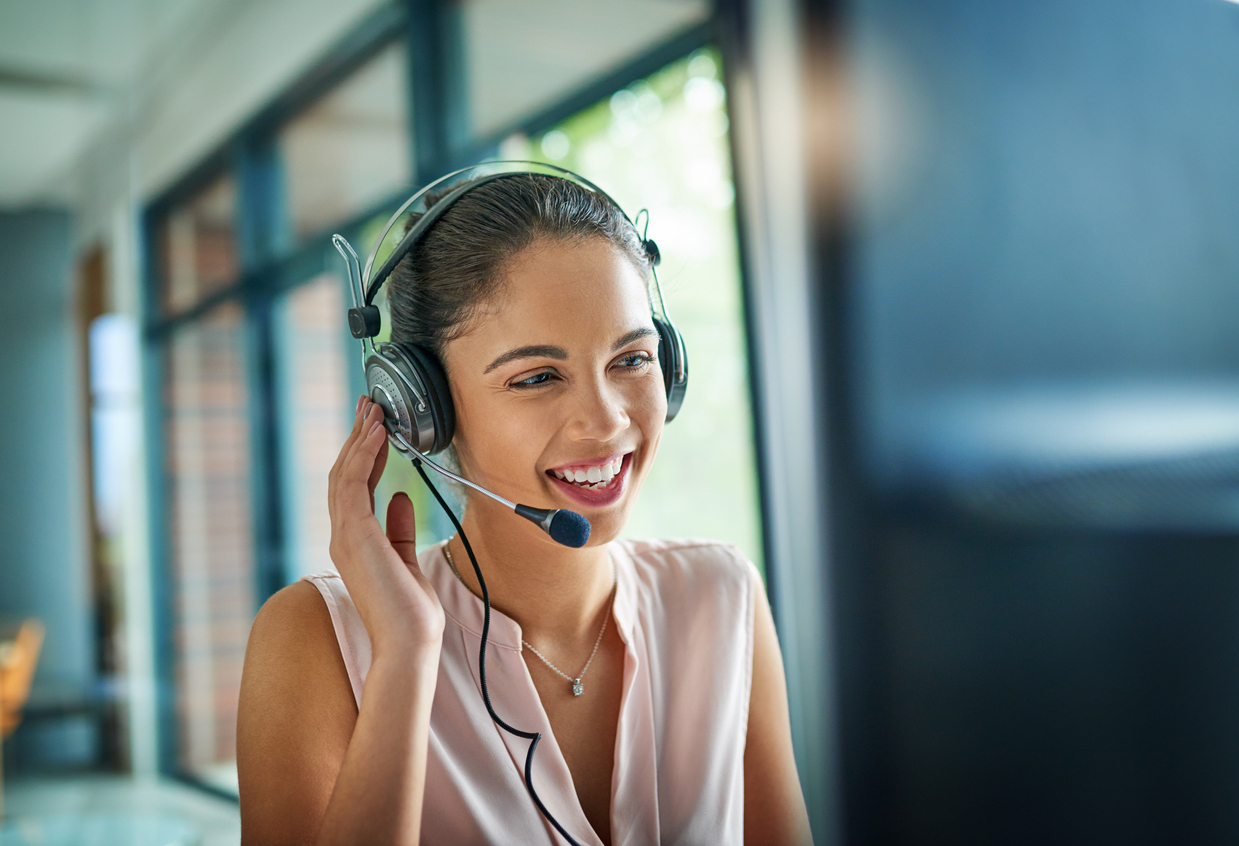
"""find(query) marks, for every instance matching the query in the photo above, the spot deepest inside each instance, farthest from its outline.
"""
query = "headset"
(409, 382)
(409, 378)
(411, 385)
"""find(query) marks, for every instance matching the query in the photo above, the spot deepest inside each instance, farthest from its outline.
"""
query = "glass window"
(115, 416)
(521, 58)
(197, 244)
(352, 148)
(314, 408)
(211, 541)
(661, 144)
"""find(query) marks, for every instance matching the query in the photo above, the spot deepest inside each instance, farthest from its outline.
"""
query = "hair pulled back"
(460, 260)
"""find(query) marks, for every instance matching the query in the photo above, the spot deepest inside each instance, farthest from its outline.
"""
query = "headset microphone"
(566, 527)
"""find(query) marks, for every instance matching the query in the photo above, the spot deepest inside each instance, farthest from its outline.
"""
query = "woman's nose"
(598, 413)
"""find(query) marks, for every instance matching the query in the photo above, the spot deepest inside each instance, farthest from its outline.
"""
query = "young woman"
(652, 669)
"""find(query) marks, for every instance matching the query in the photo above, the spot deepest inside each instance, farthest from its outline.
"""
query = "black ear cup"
(652, 252)
(410, 384)
(443, 412)
(674, 360)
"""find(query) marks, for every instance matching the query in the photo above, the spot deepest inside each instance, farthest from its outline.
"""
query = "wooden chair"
(19, 654)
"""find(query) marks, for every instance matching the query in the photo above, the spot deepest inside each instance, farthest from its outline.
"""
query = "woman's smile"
(593, 484)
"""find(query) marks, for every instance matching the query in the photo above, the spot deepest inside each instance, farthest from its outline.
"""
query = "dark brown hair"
(461, 259)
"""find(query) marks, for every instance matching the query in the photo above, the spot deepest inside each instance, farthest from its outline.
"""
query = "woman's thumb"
(402, 527)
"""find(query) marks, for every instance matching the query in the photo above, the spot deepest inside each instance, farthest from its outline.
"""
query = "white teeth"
(591, 478)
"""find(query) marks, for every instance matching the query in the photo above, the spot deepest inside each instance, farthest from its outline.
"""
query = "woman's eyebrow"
(527, 352)
(543, 351)
(634, 335)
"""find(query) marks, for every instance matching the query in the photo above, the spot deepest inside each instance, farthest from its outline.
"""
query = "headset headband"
(408, 380)
(364, 319)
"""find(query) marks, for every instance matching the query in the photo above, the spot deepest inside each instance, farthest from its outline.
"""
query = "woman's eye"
(637, 361)
(533, 381)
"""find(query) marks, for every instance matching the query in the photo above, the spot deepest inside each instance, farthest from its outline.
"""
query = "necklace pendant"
(577, 687)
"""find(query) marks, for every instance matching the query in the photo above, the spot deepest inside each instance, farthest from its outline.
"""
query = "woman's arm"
(774, 808)
(312, 767)
(295, 718)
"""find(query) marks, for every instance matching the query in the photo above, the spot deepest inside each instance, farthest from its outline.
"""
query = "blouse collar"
(467, 611)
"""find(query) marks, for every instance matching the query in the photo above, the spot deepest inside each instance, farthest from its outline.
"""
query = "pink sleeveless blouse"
(684, 610)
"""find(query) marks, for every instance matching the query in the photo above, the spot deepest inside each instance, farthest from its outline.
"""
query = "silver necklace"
(577, 688)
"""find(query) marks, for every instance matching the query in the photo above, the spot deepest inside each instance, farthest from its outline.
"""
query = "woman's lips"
(599, 497)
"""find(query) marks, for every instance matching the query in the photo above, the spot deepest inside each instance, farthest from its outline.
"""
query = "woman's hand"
(398, 606)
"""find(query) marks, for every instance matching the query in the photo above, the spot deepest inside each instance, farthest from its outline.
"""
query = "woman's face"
(559, 396)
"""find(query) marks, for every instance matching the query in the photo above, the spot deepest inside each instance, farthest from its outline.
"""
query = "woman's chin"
(605, 528)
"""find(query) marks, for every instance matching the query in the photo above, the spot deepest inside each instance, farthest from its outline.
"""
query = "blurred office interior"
(957, 280)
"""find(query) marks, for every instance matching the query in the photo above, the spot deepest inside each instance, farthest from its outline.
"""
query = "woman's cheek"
(654, 402)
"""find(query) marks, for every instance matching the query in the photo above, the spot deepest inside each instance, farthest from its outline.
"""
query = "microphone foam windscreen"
(569, 528)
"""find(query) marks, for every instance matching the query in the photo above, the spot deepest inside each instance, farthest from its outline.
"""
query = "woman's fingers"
(356, 466)
(380, 459)
(348, 444)
(402, 527)
(371, 413)
(396, 610)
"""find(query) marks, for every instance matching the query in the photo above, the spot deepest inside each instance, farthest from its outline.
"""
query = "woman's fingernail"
(377, 424)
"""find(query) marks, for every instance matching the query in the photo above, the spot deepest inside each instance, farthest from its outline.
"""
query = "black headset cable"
(532, 736)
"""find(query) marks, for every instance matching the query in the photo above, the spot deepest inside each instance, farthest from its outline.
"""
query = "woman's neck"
(556, 594)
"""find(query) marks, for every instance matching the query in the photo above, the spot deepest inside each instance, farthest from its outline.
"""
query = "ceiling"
(162, 81)
(68, 68)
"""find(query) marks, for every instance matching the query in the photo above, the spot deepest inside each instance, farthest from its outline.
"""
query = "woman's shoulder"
(292, 639)
(293, 613)
(310, 631)
(294, 628)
